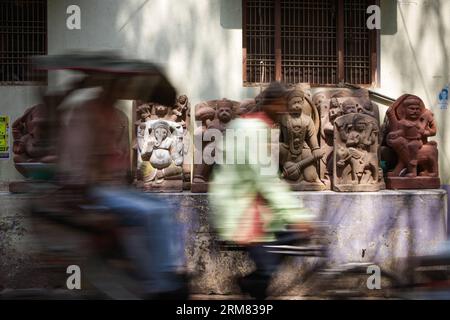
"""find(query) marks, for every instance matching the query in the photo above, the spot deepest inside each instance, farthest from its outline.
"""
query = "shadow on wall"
(419, 56)
(202, 58)
(388, 17)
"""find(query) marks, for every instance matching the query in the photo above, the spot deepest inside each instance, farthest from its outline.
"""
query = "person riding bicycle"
(252, 206)
(93, 169)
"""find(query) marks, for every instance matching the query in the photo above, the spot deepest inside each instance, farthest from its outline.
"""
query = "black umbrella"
(133, 79)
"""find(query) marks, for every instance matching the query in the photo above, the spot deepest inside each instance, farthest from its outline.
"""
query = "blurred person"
(94, 163)
(252, 208)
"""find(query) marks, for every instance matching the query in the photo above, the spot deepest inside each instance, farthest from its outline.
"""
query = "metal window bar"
(357, 58)
(308, 32)
(312, 32)
(23, 34)
(260, 41)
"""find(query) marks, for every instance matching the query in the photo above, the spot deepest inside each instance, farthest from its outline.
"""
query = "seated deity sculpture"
(409, 125)
(32, 140)
(161, 154)
(214, 115)
(299, 146)
(161, 139)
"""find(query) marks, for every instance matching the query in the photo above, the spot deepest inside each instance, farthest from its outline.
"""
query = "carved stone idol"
(331, 105)
(356, 153)
(299, 147)
(162, 146)
(32, 140)
(214, 116)
(408, 126)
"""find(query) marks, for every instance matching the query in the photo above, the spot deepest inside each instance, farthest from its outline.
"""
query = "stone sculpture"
(333, 104)
(299, 146)
(356, 153)
(32, 137)
(162, 145)
(408, 126)
(214, 115)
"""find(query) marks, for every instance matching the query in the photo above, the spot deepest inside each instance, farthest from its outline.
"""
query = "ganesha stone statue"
(160, 155)
(408, 126)
(162, 145)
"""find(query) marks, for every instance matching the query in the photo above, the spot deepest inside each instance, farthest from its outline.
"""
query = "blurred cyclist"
(253, 207)
(94, 169)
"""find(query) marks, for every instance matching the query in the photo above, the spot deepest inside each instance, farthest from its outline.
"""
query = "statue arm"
(147, 152)
(431, 127)
(176, 152)
(392, 119)
(312, 137)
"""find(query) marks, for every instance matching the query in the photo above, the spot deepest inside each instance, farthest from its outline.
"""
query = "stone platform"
(381, 227)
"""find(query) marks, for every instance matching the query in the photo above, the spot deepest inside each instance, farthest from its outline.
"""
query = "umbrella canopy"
(133, 79)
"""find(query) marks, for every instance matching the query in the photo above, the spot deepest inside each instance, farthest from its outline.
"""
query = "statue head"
(161, 131)
(409, 107)
(362, 131)
(161, 111)
(413, 109)
(144, 112)
(182, 99)
(335, 110)
(348, 106)
(356, 130)
(296, 100)
(225, 110)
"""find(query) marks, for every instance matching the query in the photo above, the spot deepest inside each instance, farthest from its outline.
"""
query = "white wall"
(415, 58)
(199, 42)
(194, 40)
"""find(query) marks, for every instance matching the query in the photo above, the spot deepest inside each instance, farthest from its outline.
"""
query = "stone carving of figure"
(181, 110)
(356, 158)
(161, 150)
(31, 133)
(333, 104)
(214, 115)
(410, 125)
(299, 147)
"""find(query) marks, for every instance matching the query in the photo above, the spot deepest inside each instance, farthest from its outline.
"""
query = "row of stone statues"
(332, 140)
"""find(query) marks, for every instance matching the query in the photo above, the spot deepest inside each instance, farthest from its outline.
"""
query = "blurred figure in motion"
(253, 207)
(93, 169)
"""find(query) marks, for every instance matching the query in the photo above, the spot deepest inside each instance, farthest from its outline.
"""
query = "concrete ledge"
(381, 227)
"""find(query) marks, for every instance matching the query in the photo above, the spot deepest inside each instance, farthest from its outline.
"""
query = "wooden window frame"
(374, 39)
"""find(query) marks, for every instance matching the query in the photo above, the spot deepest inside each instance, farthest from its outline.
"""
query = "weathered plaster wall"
(377, 227)
(415, 58)
(199, 43)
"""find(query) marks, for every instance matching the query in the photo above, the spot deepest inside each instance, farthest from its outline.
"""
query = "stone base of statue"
(19, 186)
(359, 187)
(164, 186)
(376, 227)
(186, 185)
(199, 187)
(398, 183)
(307, 186)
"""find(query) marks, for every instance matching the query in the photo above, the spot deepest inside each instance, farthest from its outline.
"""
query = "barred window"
(321, 42)
(23, 34)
